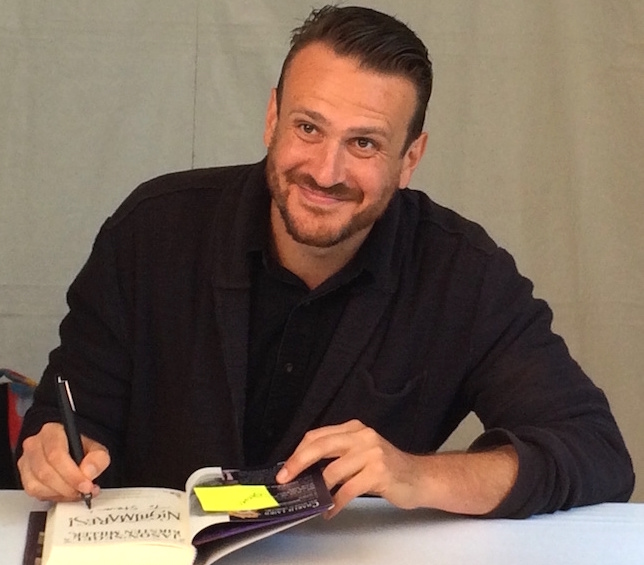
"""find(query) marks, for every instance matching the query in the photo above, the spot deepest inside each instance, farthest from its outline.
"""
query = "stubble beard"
(324, 236)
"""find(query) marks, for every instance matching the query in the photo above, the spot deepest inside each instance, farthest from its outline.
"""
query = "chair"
(16, 394)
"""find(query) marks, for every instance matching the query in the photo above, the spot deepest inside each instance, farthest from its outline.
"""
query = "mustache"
(339, 190)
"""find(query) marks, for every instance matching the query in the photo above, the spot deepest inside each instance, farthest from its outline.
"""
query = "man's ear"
(271, 118)
(411, 159)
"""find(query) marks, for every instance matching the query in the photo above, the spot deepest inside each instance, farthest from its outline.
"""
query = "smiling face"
(335, 147)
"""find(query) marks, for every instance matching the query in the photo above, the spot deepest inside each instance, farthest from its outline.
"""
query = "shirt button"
(288, 367)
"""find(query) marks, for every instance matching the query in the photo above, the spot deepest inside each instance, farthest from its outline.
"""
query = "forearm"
(465, 482)
(362, 461)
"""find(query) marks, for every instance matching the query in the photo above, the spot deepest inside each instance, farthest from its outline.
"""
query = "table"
(372, 531)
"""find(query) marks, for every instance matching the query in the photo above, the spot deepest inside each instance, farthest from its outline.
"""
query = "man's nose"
(329, 165)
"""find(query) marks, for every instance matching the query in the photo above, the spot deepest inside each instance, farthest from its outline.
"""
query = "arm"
(364, 462)
(529, 394)
(93, 356)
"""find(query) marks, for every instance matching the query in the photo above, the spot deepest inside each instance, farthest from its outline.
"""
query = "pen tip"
(88, 500)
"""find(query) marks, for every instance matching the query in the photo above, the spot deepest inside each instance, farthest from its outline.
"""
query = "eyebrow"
(357, 131)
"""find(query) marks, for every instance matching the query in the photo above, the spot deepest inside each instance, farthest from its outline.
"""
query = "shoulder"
(183, 195)
(438, 225)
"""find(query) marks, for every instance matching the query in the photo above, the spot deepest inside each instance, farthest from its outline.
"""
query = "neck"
(312, 264)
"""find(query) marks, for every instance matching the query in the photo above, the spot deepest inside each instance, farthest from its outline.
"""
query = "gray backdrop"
(535, 130)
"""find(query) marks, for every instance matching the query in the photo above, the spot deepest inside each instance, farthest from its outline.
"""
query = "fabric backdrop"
(536, 129)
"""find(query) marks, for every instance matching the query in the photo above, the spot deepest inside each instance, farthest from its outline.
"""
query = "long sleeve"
(528, 391)
(93, 356)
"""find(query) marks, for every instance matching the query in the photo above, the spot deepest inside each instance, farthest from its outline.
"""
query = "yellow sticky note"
(232, 498)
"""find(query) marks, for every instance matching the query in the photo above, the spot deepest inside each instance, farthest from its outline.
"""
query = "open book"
(139, 526)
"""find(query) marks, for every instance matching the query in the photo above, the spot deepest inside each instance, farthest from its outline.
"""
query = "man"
(305, 308)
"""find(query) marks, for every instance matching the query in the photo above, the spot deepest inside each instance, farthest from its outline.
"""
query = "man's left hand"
(363, 462)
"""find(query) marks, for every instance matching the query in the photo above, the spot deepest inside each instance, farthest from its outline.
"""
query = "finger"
(356, 486)
(346, 427)
(363, 469)
(33, 487)
(43, 467)
(96, 459)
(344, 468)
(56, 452)
(313, 450)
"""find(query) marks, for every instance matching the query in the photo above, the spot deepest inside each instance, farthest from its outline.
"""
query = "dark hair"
(380, 43)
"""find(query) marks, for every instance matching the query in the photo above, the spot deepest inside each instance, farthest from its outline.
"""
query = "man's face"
(335, 146)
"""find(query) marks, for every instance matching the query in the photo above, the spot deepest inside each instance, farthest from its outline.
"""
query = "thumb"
(96, 460)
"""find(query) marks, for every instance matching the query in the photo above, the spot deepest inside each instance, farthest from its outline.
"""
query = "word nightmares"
(150, 525)
(154, 515)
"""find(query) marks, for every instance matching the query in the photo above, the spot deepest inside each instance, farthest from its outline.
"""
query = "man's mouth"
(323, 197)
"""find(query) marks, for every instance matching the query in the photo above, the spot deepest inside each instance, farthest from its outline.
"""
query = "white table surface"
(371, 531)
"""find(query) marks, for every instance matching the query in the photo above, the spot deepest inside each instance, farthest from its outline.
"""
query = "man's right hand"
(48, 472)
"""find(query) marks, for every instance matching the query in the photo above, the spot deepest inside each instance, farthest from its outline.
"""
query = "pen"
(67, 409)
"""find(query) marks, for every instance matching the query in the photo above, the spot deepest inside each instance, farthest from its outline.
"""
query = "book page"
(198, 518)
(119, 520)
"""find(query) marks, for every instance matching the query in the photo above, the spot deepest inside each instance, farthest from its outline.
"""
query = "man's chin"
(319, 240)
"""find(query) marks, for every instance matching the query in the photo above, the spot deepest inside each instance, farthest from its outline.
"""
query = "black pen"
(67, 409)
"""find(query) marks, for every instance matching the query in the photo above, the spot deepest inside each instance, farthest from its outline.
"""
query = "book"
(35, 538)
(219, 511)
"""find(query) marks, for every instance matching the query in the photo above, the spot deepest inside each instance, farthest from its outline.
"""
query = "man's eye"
(365, 143)
(307, 128)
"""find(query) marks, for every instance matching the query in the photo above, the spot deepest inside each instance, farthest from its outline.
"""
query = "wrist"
(464, 483)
